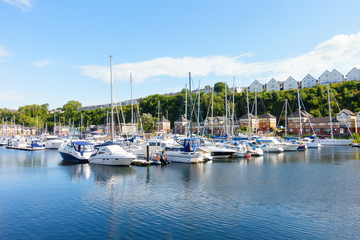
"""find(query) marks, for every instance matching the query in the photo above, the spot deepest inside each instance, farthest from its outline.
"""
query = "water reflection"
(19, 158)
(106, 175)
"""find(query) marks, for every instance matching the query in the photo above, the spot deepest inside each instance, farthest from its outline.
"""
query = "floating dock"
(24, 148)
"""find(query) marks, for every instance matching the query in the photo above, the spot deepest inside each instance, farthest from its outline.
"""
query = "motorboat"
(312, 143)
(36, 145)
(111, 153)
(77, 151)
(268, 148)
(187, 153)
(3, 141)
(52, 142)
(219, 151)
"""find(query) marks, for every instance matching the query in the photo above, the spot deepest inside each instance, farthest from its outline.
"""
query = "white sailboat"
(332, 141)
(111, 153)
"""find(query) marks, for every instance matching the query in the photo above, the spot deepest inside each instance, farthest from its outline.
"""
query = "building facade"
(353, 75)
(290, 83)
(308, 81)
(256, 86)
(267, 123)
(272, 85)
(331, 77)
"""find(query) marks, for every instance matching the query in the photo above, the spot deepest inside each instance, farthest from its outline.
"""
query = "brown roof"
(267, 115)
(246, 116)
(303, 114)
(320, 120)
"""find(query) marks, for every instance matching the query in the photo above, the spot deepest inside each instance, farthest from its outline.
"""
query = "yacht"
(187, 153)
(110, 153)
(312, 143)
(52, 142)
(77, 151)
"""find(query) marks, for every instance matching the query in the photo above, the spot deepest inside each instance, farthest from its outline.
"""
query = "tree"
(147, 121)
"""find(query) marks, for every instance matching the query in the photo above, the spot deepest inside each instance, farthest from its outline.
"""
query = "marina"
(310, 194)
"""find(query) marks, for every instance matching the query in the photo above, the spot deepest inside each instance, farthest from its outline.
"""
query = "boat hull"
(72, 158)
(336, 142)
(116, 161)
(184, 157)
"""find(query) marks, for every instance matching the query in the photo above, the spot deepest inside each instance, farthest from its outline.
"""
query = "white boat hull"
(184, 157)
(55, 144)
(335, 142)
(273, 149)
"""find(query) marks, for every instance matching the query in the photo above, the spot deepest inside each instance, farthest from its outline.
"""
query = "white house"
(273, 85)
(333, 77)
(308, 81)
(290, 83)
(256, 86)
(353, 75)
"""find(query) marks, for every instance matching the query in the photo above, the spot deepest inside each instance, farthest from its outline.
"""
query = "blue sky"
(56, 51)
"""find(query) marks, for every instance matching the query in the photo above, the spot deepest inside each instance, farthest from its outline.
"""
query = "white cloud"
(4, 52)
(7, 95)
(341, 52)
(24, 5)
(41, 63)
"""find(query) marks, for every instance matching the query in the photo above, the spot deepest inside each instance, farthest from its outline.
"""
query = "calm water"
(301, 195)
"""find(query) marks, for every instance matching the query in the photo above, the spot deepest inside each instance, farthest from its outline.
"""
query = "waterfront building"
(346, 120)
(353, 75)
(244, 121)
(218, 125)
(341, 123)
(267, 122)
(61, 130)
(358, 121)
(163, 125)
(272, 85)
(256, 86)
(11, 130)
(181, 126)
(294, 121)
(333, 77)
(308, 81)
(290, 83)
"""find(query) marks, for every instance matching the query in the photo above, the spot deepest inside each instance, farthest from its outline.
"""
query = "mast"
(132, 107)
(331, 126)
(158, 125)
(199, 110)
(256, 119)
(212, 111)
(233, 109)
(190, 105)
(112, 101)
(54, 123)
(248, 112)
(286, 117)
(300, 130)
(185, 109)
(226, 111)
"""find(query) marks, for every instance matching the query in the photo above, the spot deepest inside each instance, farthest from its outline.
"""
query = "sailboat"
(111, 153)
(332, 141)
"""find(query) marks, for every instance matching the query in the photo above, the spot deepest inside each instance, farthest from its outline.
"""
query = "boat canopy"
(81, 143)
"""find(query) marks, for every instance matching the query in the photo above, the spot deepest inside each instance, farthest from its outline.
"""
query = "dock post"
(147, 152)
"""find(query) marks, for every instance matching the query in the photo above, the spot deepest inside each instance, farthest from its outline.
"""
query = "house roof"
(320, 120)
(303, 114)
(164, 120)
(182, 119)
(347, 112)
(246, 116)
(267, 115)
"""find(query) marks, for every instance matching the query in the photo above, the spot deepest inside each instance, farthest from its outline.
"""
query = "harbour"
(310, 194)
